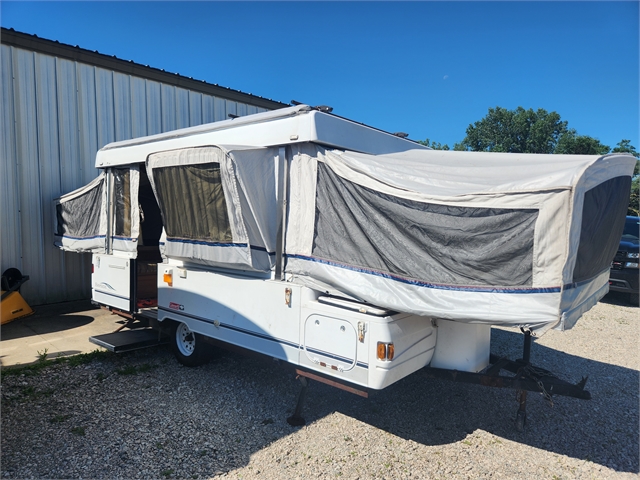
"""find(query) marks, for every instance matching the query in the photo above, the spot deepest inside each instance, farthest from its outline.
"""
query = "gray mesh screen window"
(122, 196)
(434, 243)
(191, 199)
(80, 217)
(603, 216)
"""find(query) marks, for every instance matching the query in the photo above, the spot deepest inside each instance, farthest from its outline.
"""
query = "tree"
(434, 145)
(572, 143)
(539, 131)
(634, 198)
(624, 146)
(515, 131)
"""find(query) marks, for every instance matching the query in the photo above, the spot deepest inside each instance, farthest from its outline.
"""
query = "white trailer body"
(343, 249)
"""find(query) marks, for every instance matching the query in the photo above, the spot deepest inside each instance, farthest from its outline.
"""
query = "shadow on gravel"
(618, 298)
(603, 430)
(143, 414)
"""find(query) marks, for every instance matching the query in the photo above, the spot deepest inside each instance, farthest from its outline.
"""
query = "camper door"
(114, 269)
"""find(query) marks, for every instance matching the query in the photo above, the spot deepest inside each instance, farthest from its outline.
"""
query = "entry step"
(129, 340)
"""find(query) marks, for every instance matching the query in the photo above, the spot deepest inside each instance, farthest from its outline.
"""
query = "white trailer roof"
(278, 127)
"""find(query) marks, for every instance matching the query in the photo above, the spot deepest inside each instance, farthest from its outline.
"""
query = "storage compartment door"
(81, 218)
(330, 342)
(112, 281)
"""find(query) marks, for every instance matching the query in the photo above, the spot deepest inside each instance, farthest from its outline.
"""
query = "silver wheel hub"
(185, 340)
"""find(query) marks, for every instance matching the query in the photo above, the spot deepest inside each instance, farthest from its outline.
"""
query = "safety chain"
(535, 374)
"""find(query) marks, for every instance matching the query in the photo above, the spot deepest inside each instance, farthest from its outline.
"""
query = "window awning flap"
(81, 218)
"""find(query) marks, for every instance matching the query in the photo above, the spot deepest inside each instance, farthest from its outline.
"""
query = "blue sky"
(425, 68)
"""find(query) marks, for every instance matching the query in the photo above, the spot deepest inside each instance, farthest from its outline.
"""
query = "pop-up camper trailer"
(356, 255)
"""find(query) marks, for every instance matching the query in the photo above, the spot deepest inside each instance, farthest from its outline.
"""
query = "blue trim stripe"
(435, 286)
(569, 286)
(263, 336)
(130, 239)
(112, 294)
(262, 249)
(336, 357)
(81, 238)
(209, 244)
(218, 244)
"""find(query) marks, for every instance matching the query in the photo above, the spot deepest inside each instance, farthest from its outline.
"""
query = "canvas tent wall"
(215, 185)
(60, 104)
(506, 239)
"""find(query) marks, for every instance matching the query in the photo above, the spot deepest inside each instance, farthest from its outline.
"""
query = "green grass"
(43, 362)
(74, 361)
(127, 370)
(146, 367)
(42, 356)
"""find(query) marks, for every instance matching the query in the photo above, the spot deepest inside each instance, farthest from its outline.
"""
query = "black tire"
(634, 299)
(10, 278)
(189, 348)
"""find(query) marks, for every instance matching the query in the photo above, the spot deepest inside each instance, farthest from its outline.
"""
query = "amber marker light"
(390, 351)
(385, 351)
(168, 278)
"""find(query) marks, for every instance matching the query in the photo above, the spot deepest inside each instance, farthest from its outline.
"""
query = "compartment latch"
(362, 327)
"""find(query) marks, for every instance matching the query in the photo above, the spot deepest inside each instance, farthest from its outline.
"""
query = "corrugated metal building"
(60, 104)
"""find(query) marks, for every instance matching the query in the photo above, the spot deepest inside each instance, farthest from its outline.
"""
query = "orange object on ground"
(13, 306)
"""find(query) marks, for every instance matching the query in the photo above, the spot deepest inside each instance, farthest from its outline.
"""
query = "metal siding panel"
(71, 164)
(208, 109)
(231, 108)
(154, 107)
(70, 280)
(10, 244)
(32, 263)
(105, 107)
(122, 106)
(87, 121)
(80, 264)
(138, 107)
(49, 166)
(56, 113)
(195, 108)
(182, 108)
(168, 108)
(220, 109)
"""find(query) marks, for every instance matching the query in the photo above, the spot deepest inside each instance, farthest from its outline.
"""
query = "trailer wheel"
(189, 348)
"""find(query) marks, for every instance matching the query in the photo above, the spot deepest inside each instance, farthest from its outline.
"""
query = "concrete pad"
(60, 329)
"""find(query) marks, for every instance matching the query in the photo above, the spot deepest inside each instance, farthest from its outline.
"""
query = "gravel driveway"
(142, 415)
